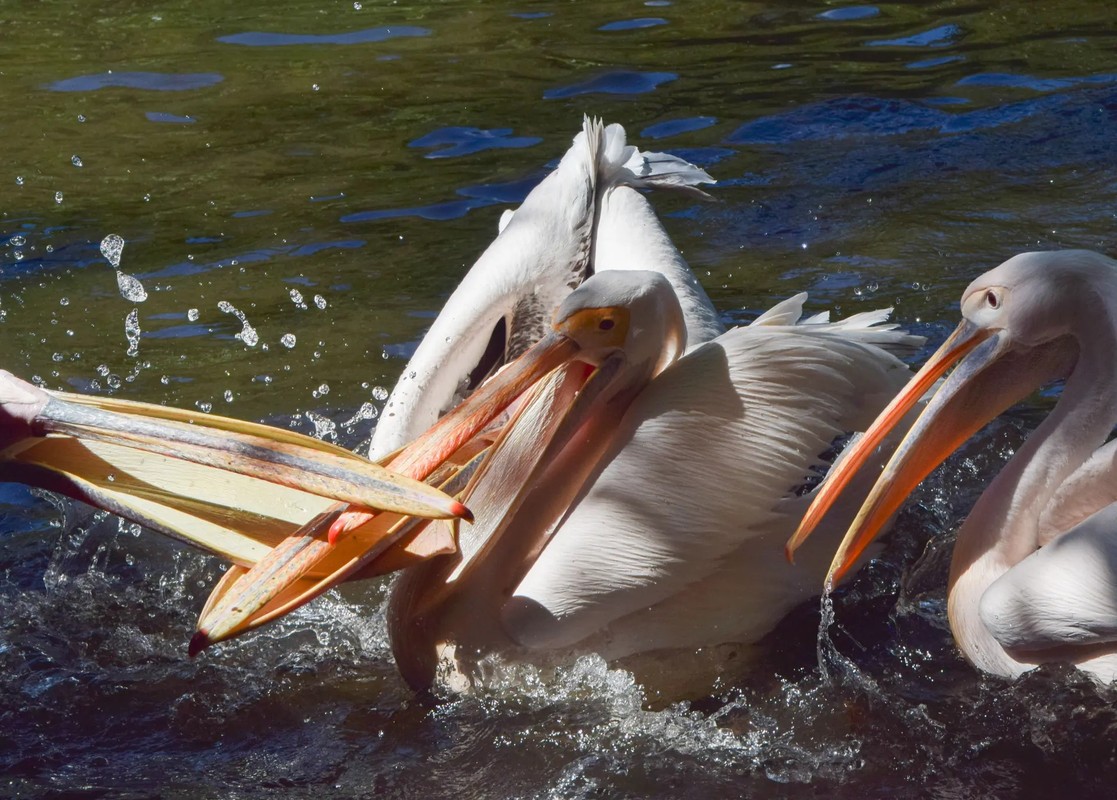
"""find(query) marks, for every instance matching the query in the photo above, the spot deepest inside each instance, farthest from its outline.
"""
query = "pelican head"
(1031, 320)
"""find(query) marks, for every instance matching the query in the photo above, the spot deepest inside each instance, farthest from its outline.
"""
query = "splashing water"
(131, 289)
(132, 332)
(247, 333)
(111, 248)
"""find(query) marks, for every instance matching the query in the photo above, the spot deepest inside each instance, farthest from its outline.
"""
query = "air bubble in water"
(76, 161)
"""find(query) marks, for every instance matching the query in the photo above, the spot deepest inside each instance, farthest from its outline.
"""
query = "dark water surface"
(300, 185)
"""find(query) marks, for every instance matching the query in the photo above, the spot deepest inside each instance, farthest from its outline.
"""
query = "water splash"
(247, 333)
(132, 332)
(131, 289)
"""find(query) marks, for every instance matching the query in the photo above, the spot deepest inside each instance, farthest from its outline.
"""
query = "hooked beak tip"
(462, 512)
(198, 642)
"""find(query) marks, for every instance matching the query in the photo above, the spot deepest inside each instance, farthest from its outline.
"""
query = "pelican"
(633, 500)
(634, 504)
(233, 488)
(1033, 577)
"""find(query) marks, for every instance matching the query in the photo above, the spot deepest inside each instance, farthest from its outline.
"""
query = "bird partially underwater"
(1033, 578)
(633, 472)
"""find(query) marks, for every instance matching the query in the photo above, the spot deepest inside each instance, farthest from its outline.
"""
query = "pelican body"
(632, 473)
(1033, 577)
(638, 512)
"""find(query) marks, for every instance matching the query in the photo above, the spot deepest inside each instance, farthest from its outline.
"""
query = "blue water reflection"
(151, 81)
(366, 36)
(463, 141)
(621, 82)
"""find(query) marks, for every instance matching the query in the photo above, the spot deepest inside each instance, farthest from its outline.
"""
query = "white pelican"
(1034, 572)
(587, 215)
(635, 504)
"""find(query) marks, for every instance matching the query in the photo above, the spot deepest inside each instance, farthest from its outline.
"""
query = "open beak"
(343, 541)
(174, 469)
(991, 374)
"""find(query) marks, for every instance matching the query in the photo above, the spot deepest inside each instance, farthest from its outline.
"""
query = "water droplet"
(81, 117)
(111, 478)
(56, 357)
(287, 340)
(113, 381)
(111, 248)
(322, 390)
(357, 6)
(132, 332)
(19, 180)
(130, 287)
(228, 395)
(319, 301)
(379, 393)
(297, 299)
(315, 87)
(58, 198)
(64, 301)
(103, 370)
(203, 406)
(147, 198)
(165, 380)
(18, 255)
(76, 161)
(49, 248)
(192, 314)
(247, 333)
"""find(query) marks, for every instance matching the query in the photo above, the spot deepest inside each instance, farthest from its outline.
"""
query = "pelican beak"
(32, 418)
(877, 509)
(992, 373)
(342, 542)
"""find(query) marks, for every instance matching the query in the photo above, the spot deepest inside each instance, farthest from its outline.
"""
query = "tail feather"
(622, 164)
(867, 327)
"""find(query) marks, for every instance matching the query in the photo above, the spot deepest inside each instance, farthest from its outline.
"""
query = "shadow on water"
(299, 186)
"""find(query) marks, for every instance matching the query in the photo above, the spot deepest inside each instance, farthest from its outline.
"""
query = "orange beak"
(343, 541)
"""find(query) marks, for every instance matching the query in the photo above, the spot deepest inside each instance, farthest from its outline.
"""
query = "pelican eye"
(606, 324)
(992, 299)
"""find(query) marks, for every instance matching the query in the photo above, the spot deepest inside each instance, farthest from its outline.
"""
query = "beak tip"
(198, 642)
(789, 553)
(462, 512)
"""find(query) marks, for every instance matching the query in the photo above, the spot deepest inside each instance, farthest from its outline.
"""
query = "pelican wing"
(701, 463)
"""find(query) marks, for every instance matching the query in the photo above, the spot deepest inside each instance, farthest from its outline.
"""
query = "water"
(299, 186)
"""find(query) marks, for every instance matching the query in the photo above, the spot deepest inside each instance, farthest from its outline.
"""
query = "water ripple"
(463, 141)
(941, 36)
(633, 24)
(267, 39)
(151, 81)
(620, 82)
(674, 127)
